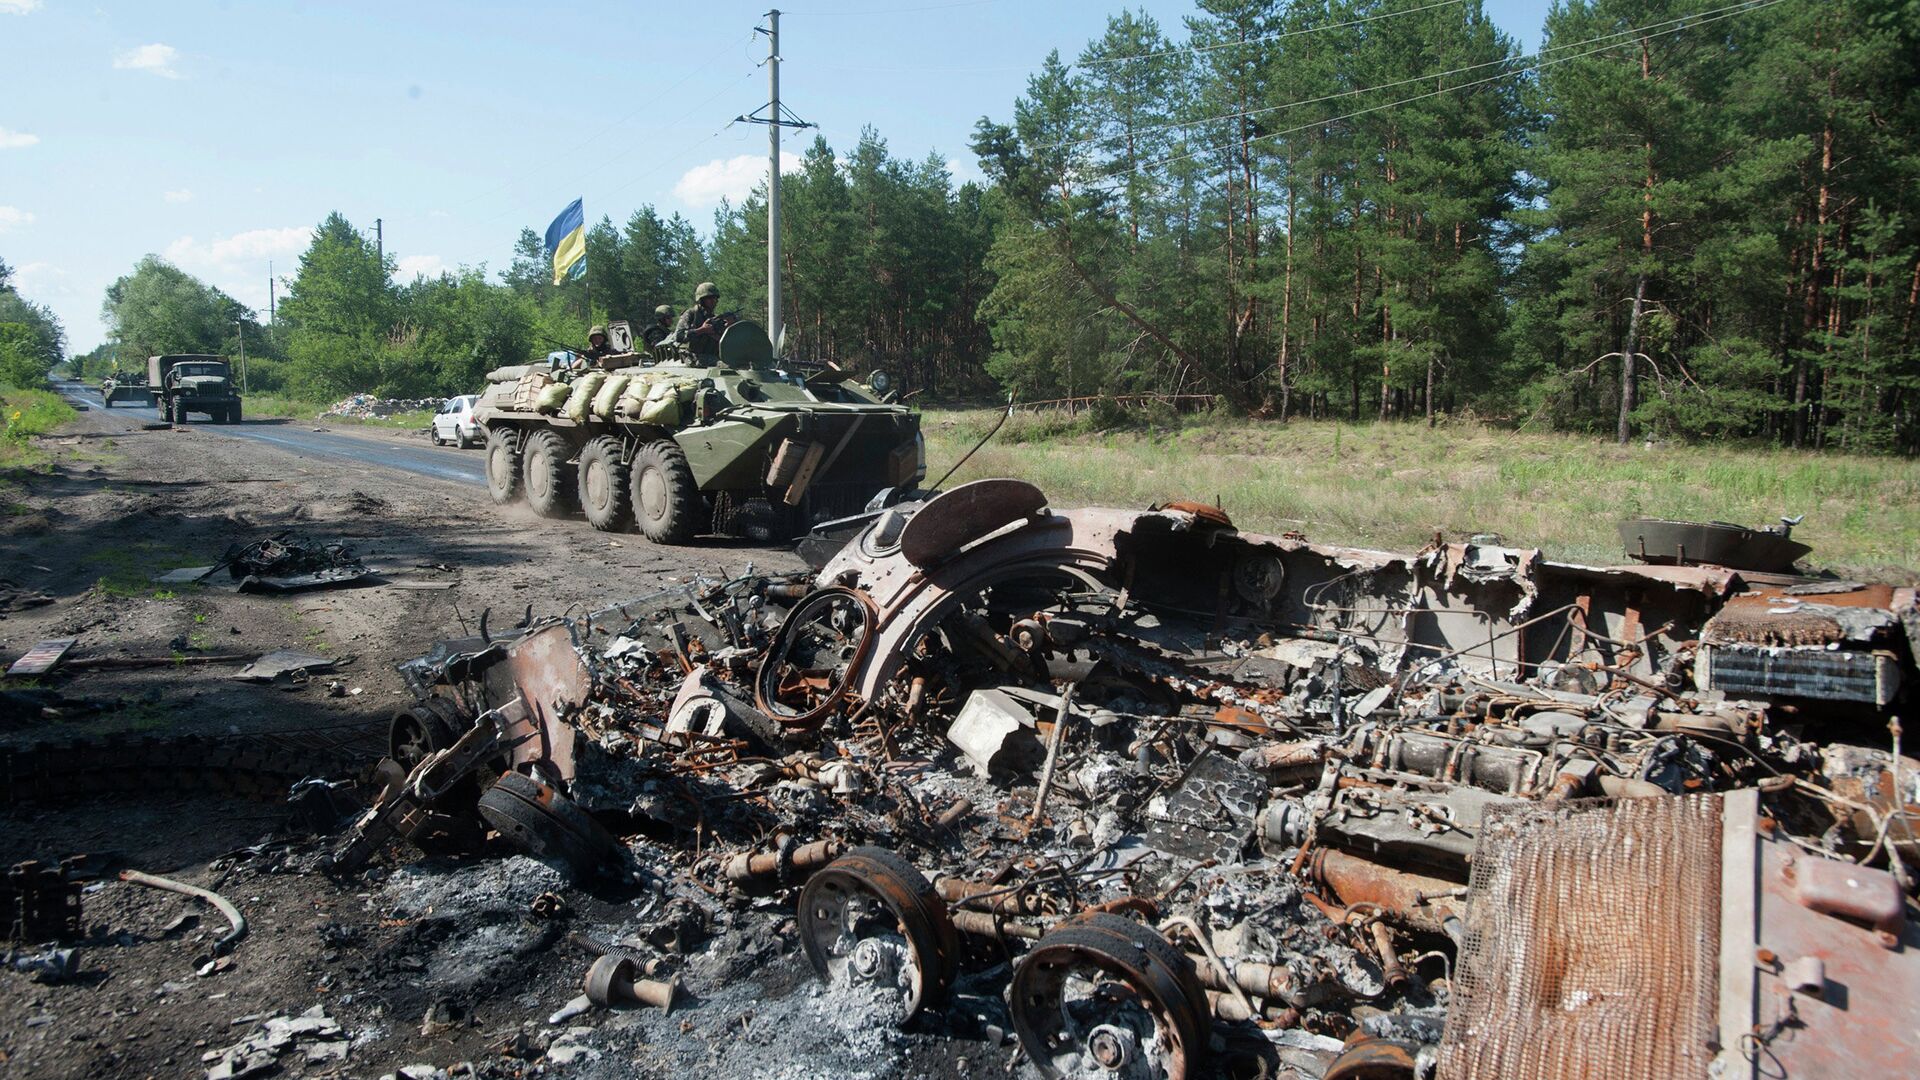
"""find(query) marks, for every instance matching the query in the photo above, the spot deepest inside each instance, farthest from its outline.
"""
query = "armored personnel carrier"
(124, 386)
(680, 444)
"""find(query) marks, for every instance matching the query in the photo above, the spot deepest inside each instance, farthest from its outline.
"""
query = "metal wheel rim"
(597, 490)
(653, 494)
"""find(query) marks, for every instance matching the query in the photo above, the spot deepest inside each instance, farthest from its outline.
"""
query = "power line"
(1541, 64)
(1255, 40)
(1692, 19)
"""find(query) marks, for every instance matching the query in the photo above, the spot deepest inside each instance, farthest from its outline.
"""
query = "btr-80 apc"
(682, 444)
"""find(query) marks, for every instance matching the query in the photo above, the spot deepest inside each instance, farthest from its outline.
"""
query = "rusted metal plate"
(42, 657)
(548, 673)
(957, 518)
(1809, 993)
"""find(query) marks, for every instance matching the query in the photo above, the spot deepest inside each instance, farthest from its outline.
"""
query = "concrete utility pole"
(775, 119)
(272, 298)
(379, 243)
(240, 329)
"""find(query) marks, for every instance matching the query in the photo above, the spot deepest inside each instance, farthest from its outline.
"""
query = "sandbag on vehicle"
(609, 395)
(662, 405)
(582, 396)
(510, 373)
(527, 391)
(552, 399)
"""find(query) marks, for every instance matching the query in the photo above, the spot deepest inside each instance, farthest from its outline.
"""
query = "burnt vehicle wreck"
(1136, 794)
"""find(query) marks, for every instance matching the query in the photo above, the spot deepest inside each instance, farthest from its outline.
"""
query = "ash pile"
(1113, 793)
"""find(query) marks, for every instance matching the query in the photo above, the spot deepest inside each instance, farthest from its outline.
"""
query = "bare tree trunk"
(1627, 357)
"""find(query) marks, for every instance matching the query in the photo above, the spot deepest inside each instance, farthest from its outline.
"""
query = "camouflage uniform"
(595, 352)
(661, 328)
(686, 331)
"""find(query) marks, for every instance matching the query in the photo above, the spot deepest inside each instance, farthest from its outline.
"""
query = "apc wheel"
(604, 491)
(549, 482)
(870, 917)
(544, 823)
(665, 498)
(423, 728)
(503, 466)
(1104, 995)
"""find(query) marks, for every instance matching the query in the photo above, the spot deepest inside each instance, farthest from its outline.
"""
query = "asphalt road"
(298, 436)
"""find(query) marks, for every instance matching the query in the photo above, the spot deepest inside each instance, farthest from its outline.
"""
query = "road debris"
(287, 562)
(1153, 797)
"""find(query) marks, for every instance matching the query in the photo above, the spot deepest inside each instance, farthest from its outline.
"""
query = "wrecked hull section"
(1104, 793)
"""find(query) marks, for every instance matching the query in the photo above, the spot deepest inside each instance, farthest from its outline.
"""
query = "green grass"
(24, 414)
(282, 406)
(1394, 485)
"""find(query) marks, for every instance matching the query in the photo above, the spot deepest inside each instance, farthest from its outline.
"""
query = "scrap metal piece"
(1592, 943)
(1819, 965)
(41, 902)
(1212, 813)
(236, 922)
(1106, 993)
(869, 917)
(958, 517)
(539, 820)
(42, 657)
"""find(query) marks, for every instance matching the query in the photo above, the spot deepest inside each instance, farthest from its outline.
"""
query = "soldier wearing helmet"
(661, 328)
(597, 346)
(699, 328)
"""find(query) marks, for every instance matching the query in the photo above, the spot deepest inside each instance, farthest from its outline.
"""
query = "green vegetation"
(31, 340)
(24, 414)
(1394, 485)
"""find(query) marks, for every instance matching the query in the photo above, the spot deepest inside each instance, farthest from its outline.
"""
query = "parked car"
(454, 423)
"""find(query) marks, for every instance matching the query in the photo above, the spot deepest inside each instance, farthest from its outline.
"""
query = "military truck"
(123, 386)
(193, 383)
(680, 444)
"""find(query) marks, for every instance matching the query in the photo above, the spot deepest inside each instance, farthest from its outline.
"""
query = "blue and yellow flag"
(567, 242)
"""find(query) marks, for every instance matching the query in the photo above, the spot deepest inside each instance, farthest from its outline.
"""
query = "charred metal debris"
(1158, 798)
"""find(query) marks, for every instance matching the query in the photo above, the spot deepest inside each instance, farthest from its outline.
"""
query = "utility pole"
(272, 299)
(380, 245)
(240, 329)
(775, 119)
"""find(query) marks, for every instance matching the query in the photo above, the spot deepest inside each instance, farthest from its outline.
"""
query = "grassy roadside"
(282, 406)
(24, 414)
(1395, 485)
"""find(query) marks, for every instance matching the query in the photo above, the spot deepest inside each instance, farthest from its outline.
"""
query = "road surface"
(298, 436)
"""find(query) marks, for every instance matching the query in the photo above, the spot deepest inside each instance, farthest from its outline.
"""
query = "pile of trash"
(1147, 796)
(367, 406)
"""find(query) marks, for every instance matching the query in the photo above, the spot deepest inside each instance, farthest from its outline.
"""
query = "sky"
(218, 134)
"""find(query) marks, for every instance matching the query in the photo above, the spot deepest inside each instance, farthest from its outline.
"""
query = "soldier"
(662, 327)
(597, 346)
(699, 328)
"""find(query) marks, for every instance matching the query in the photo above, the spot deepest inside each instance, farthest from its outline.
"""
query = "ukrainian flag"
(567, 242)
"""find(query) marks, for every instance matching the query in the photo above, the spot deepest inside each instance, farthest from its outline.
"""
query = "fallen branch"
(88, 663)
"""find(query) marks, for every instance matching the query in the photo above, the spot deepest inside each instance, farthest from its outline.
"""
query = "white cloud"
(237, 264)
(233, 252)
(41, 279)
(13, 215)
(731, 178)
(155, 59)
(18, 7)
(16, 140)
(178, 195)
(409, 267)
(965, 170)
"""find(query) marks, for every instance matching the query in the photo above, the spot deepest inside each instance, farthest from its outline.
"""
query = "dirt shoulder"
(121, 503)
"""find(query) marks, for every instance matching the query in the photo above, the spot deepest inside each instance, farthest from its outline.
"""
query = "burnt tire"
(666, 501)
(606, 495)
(503, 466)
(540, 821)
(428, 725)
(548, 479)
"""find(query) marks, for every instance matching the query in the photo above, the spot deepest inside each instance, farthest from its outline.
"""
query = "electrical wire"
(1539, 65)
(1257, 39)
(1692, 19)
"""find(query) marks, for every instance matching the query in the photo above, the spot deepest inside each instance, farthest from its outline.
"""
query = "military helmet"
(601, 330)
(664, 310)
(706, 289)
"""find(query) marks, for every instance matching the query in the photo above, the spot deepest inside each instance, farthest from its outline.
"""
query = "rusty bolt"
(1766, 957)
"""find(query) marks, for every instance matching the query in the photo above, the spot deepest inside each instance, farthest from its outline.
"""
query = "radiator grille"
(1592, 943)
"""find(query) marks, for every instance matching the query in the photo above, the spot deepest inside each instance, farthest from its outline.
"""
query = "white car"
(454, 423)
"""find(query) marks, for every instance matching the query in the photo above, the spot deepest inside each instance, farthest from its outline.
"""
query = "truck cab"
(193, 383)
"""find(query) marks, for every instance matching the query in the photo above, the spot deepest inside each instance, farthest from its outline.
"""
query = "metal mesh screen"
(1592, 946)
